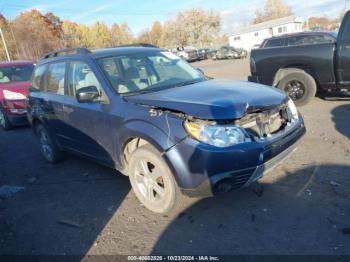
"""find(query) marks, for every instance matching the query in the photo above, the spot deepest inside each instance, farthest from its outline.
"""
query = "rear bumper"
(203, 172)
(16, 111)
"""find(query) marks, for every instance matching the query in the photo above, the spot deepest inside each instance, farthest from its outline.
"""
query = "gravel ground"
(78, 207)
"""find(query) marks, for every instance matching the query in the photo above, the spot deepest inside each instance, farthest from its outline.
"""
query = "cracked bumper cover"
(198, 168)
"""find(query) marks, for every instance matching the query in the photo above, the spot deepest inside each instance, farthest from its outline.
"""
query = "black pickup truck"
(302, 66)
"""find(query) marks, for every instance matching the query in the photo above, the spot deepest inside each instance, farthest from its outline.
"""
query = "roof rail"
(138, 45)
(77, 50)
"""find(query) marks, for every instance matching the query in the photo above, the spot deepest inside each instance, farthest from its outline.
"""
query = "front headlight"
(293, 110)
(10, 95)
(216, 135)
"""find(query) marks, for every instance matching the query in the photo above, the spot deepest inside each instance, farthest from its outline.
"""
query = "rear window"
(278, 42)
(18, 73)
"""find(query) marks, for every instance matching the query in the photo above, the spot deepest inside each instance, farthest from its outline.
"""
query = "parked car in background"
(153, 117)
(204, 53)
(305, 63)
(229, 52)
(188, 53)
(14, 84)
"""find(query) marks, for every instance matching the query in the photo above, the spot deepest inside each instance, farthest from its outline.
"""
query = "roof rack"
(77, 50)
(138, 45)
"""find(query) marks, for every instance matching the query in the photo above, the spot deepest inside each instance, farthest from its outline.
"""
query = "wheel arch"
(34, 123)
(139, 133)
(282, 72)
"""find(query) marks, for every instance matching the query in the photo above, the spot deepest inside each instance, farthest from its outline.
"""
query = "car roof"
(16, 63)
(116, 51)
(122, 51)
(303, 34)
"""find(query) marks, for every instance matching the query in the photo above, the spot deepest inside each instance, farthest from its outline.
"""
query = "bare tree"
(273, 9)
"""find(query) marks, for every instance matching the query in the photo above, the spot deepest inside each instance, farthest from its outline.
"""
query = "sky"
(140, 14)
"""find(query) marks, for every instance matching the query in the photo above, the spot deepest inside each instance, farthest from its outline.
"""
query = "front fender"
(163, 133)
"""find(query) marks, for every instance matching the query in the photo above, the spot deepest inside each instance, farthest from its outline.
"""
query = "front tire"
(48, 147)
(4, 121)
(152, 180)
(299, 85)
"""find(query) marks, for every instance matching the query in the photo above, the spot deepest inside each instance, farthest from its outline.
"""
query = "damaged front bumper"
(202, 170)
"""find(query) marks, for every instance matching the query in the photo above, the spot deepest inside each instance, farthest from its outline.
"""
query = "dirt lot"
(78, 207)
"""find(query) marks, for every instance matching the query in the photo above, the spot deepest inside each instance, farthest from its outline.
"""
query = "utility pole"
(5, 46)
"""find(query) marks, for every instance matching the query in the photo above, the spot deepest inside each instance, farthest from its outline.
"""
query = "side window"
(296, 40)
(55, 78)
(278, 42)
(80, 75)
(37, 78)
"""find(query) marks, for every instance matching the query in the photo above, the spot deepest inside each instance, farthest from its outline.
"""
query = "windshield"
(9, 74)
(148, 72)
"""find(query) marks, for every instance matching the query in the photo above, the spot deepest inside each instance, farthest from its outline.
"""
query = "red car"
(14, 84)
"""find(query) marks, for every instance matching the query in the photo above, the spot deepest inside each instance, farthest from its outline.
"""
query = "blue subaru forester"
(153, 117)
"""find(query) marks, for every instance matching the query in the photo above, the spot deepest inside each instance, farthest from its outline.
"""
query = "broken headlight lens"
(217, 135)
(293, 110)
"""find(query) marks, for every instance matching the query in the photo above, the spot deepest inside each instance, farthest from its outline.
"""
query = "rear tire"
(4, 121)
(152, 180)
(299, 85)
(49, 149)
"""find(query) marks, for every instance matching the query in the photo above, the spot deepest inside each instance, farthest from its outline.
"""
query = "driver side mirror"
(87, 94)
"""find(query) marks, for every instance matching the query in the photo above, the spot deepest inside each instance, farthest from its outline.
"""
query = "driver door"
(89, 123)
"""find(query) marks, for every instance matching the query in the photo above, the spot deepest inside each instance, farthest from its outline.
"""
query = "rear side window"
(278, 42)
(309, 40)
(55, 78)
(296, 40)
(37, 78)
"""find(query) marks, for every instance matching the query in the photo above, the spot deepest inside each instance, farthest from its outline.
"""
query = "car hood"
(214, 99)
(19, 87)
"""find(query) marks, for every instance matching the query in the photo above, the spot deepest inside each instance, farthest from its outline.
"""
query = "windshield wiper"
(187, 83)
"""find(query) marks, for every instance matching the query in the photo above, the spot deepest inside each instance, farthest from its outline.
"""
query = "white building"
(253, 35)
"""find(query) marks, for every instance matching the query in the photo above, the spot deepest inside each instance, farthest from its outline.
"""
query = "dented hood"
(214, 99)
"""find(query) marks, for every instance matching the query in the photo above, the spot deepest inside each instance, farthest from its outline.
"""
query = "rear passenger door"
(50, 80)
(343, 50)
(88, 123)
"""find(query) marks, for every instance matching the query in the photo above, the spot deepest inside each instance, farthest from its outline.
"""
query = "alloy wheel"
(295, 89)
(149, 181)
(46, 147)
